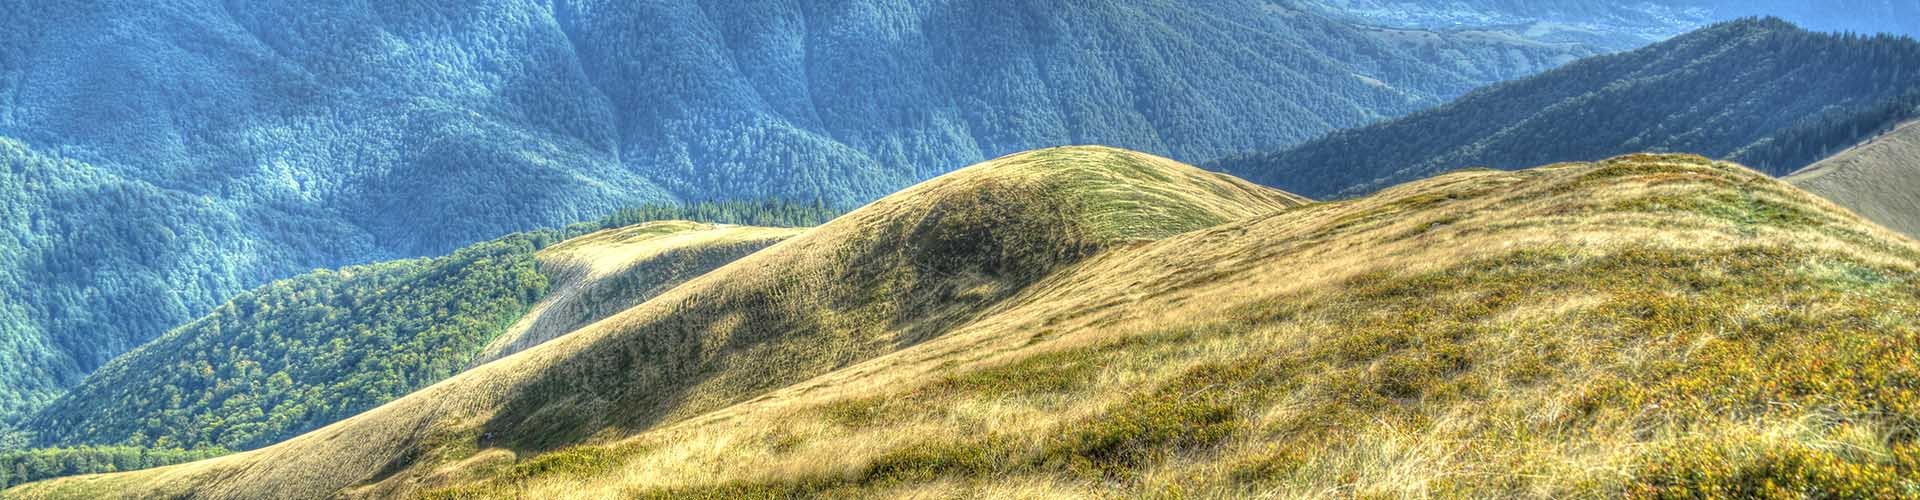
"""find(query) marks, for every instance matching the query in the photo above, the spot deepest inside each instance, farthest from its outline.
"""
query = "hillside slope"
(1758, 91)
(1879, 179)
(305, 352)
(94, 263)
(899, 272)
(600, 274)
(1645, 325)
(272, 138)
(300, 353)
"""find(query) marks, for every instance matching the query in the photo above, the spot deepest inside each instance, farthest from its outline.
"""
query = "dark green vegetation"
(1758, 91)
(304, 352)
(19, 467)
(93, 263)
(767, 213)
(301, 353)
(221, 146)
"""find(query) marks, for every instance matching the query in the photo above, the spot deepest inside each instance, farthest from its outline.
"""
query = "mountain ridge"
(1759, 90)
(1270, 350)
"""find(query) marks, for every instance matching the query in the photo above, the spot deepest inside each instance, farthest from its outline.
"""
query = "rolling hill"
(308, 351)
(198, 149)
(1879, 179)
(898, 272)
(1095, 322)
(1759, 91)
(600, 274)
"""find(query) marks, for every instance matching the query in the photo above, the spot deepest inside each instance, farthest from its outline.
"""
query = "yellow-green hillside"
(602, 273)
(1653, 326)
(902, 271)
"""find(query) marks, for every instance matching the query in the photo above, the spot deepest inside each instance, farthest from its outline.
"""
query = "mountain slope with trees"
(306, 351)
(193, 149)
(1759, 91)
(1624, 24)
(301, 353)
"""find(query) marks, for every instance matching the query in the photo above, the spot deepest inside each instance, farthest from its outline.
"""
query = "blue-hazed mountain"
(1623, 24)
(1758, 91)
(175, 152)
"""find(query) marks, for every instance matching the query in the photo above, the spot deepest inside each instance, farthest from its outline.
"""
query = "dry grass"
(603, 273)
(897, 273)
(1659, 326)
(1879, 179)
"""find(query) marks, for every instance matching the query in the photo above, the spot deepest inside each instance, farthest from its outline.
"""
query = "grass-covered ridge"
(1647, 326)
(899, 272)
(601, 273)
(1644, 326)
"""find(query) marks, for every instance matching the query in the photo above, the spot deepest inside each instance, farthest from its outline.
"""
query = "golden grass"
(899, 272)
(1659, 326)
(597, 275)
(1879, 179)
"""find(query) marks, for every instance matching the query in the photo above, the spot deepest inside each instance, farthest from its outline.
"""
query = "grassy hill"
(1758, 91)
(602, 273)
(899, 272)
(1879, 179)
(195, 149)
(1650, 325)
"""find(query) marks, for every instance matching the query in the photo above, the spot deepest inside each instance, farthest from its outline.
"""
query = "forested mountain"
(304, 352)
(1623, 24)
(301, 353)
(1091, 322)
(93, 263)
(1759, 91)
(175, 152)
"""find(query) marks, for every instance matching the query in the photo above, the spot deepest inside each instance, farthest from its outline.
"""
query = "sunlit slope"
(599, 274)
(1641, 326)
(1879, 179)
(903, 270)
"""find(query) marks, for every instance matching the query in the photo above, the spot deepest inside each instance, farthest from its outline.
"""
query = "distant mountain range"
(1623, 24)
(1759, 91)
(178, 152)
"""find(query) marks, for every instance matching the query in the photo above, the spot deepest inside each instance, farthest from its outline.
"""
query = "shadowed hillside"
(1758, 91)
(1880, 179)
(1643, 326)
